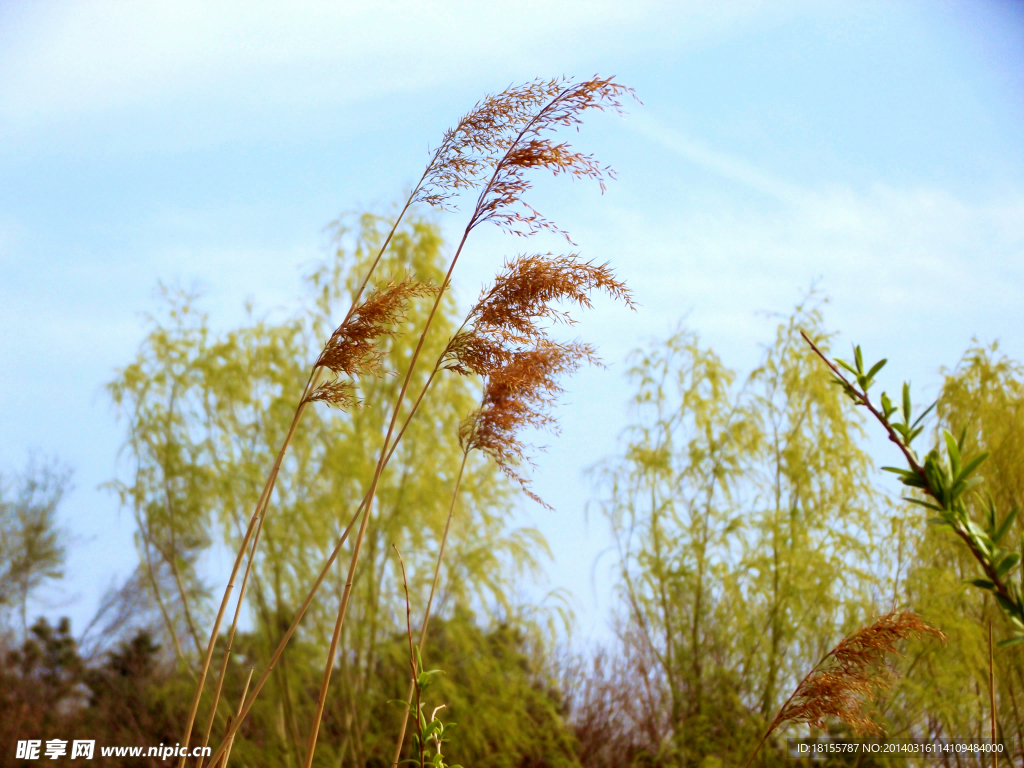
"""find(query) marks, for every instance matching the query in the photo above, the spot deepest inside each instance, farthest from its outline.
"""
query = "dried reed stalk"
(307, 601)
(453, 166)
(489, 406)
(463, 357)
(231, 741)
(412, 655)
(261, 505)
(350, 350)
(503, 104)
(851, 671)
(426, 616)
(500, 201)
(230, 643)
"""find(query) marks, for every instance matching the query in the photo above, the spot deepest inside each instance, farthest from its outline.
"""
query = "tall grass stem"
(430, 602)
(346, 594)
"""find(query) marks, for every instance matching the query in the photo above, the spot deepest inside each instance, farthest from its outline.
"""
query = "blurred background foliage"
(751, 535)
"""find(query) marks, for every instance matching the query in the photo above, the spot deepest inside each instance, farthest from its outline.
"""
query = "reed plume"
(508, 344)
(517, 395)
(508, 315)
(481, 136)
(849, 673)
(465, 154)
(497, 202)
(353, 348)
(501, 201)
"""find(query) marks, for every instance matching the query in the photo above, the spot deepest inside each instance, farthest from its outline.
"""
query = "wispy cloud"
(720, 163)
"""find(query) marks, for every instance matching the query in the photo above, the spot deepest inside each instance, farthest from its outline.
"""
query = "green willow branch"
(944, 486)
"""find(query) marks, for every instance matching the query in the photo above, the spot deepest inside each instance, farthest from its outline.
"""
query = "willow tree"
(743, 521)
(805, 576)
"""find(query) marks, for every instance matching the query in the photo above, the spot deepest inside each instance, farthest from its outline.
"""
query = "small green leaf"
(906, 403)
(971, 465)
(936, 477)
(1010, 641)
(981, 583)
(898, 471)
(426, 678)
(953, 450)
(1021, 590)
(979, 537)
(1001, 531)
(927, 410)
(876, 368)
(960, 488)
(925, 504)
(843, 364)
(990, 509)
(1006, 564)
(859, 359)
(887, 406)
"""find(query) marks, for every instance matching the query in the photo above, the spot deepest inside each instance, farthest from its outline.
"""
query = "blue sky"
(872, 147)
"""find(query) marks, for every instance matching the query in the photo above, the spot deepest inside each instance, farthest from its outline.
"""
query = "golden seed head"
(853, 670)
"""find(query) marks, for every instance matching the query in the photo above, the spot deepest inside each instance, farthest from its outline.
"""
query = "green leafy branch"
(430, 732)
(944, 481)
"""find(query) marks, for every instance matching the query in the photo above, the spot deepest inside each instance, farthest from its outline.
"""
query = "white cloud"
(78, 58)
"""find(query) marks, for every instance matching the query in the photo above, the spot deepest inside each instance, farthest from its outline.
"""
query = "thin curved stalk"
(261, 505)
(426, 613)
(230, 643)
(231, 742)
(268, 488)
(314, 589)
(244, 710)
(347, 593)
